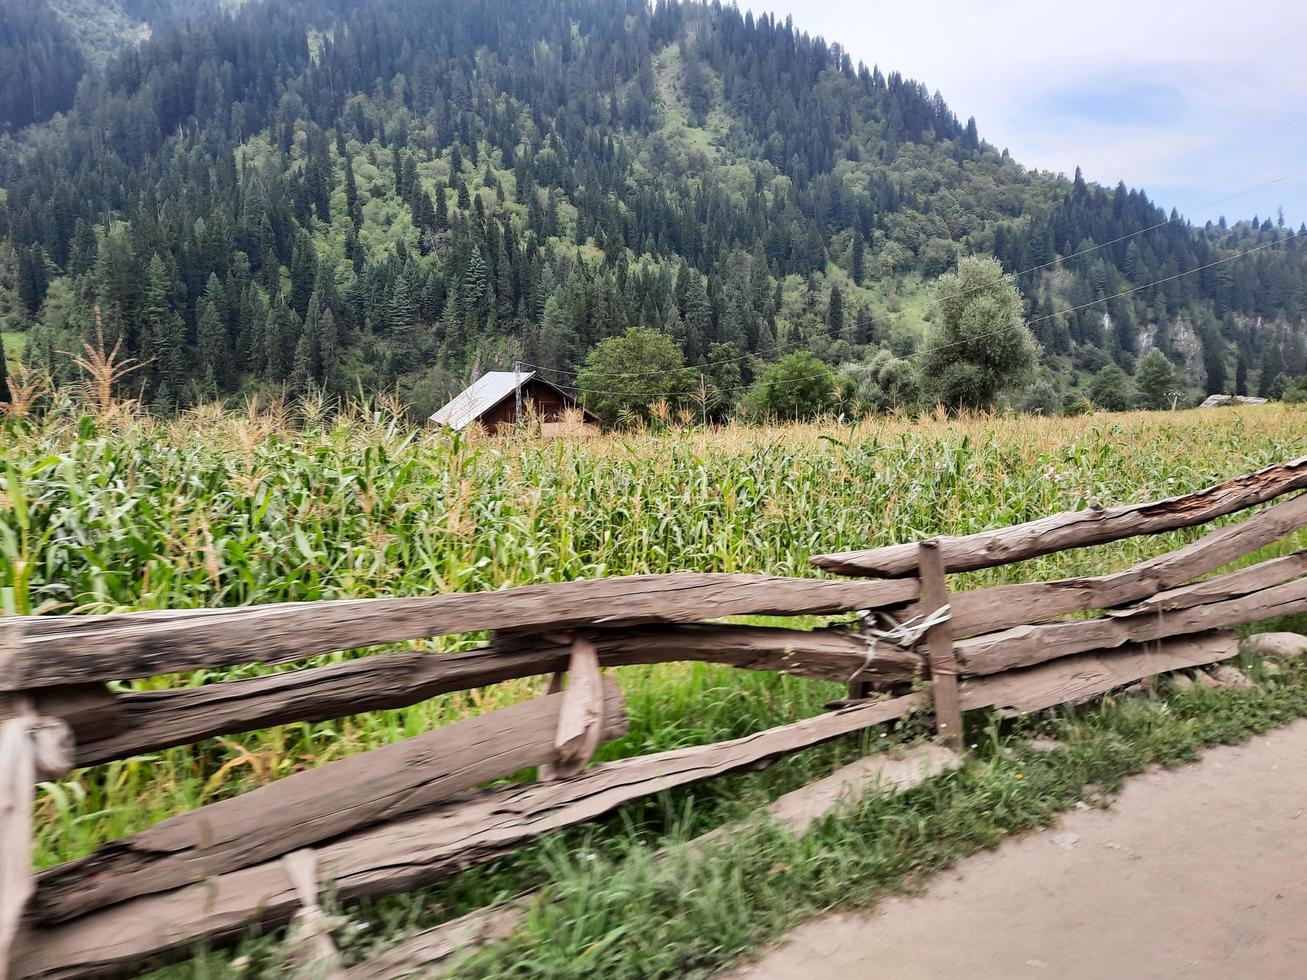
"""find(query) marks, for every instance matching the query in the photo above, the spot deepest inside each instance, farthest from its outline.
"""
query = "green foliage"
(1156, 381)
(1112, 389)
(979, 345)
(1296, 392)
(623, 376)
(796, 387)
(1042, 399)
(1280, 384)
(719, 179)
(884, 383)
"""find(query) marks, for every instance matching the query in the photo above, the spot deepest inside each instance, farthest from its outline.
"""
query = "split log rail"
(411, 813)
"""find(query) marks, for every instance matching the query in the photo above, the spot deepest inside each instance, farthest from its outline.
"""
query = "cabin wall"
(548, 405)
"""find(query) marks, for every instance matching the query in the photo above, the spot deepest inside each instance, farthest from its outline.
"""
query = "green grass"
(290, 503)
(12, 343)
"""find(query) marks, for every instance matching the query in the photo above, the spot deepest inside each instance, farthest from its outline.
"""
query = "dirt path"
(1197, 872)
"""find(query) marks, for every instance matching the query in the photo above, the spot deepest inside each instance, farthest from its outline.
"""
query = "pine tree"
(352, 205)
(1155, 380)
(858, 259)
(442, 208)
(303, 274)
(166, 335)
(214, 345)
(835, 313)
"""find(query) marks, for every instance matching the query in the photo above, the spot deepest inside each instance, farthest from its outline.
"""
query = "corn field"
(110, 512)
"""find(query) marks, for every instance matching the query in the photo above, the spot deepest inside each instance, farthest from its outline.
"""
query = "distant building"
(1219, 401)
(492, 401)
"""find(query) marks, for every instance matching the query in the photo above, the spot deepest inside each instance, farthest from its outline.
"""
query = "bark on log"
(939, 646)
(1187, 610)
(1078, 529)
(153, 720)
(581, 717)
(42, 651)
(1075, 679)
(315, 805)
(17, 778)
(418, 850)
(999, 607)
(410, 852)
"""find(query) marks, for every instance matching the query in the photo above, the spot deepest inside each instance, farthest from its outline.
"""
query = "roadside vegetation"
(104, 510)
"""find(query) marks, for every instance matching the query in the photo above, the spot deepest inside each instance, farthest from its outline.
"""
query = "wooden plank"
(17, 779)
(309, 939)
(982, 610)
(316, 805)
(91, 710)
(418, 850)
(1078, 529)
(152, 720)
(431, 952)
(581, 718)
(412, 851)
(1079, 678)
(42, 651)
(939, 645)
(1025, 646)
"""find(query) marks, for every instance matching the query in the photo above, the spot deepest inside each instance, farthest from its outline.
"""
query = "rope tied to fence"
(906, 634)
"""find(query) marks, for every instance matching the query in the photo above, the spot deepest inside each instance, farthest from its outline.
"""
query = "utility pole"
(517, 392)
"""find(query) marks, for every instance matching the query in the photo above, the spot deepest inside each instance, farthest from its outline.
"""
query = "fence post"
(31, 748)
(581, 718)
(939, 645)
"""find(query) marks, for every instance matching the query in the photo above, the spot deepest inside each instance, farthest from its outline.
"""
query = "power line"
(1163, 224)
(1044, 265)
(957, 343)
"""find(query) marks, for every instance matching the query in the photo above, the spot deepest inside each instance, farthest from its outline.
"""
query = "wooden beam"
(1074, 679)
(17, 781)
(309, 938)
(1078, 529)
(412, 851)
(999, 607)
(939, 645)
(581, 716)
(417, 850)
(1181, 611)
(315, 805)
(153, 720)
(44, 651)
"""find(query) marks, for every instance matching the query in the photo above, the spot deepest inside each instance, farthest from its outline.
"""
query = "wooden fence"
(409, 814)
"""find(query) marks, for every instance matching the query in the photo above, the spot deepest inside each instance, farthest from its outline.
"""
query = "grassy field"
(270, 505)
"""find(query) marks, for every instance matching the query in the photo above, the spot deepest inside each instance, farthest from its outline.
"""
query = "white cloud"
(1241, 115)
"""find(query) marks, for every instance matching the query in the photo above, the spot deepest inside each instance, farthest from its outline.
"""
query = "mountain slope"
(400, 191)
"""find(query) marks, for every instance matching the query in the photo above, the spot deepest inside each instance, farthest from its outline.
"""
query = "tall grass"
(293, 503)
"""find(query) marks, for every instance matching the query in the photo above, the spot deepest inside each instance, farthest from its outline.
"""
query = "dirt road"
(1198, 872)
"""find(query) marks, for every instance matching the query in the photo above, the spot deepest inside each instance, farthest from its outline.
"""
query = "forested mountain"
(399, 192)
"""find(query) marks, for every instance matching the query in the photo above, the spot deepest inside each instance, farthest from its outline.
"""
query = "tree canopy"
(979, 345)
(796, 387)
(623, 376)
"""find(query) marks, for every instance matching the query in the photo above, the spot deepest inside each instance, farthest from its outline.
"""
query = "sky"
(1192, 100)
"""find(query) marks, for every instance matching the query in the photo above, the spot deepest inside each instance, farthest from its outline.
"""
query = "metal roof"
(481, 396)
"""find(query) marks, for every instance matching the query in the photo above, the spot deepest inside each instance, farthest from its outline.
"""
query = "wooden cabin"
(492, 401)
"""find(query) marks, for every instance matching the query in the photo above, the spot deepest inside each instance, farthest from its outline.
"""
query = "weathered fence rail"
(410, 813)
